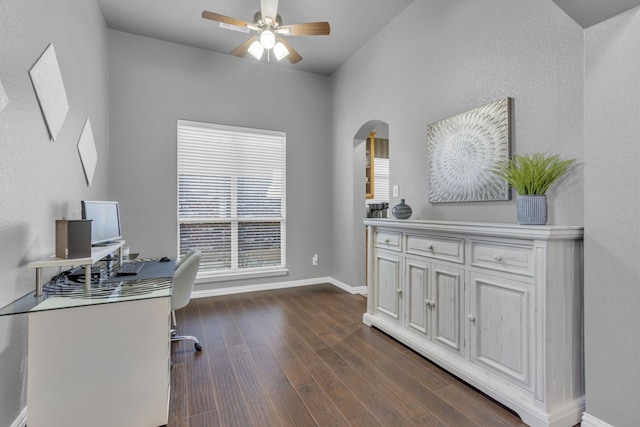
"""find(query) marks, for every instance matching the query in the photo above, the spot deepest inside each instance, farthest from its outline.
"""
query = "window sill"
(240, 275)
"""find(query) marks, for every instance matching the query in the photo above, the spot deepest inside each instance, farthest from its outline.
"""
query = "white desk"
(101, 357)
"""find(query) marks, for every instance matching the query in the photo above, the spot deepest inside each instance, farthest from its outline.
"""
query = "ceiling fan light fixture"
(267, 39)
(280, 51)
(256, 49)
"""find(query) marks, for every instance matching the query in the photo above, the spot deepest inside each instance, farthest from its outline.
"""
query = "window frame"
(236, 273)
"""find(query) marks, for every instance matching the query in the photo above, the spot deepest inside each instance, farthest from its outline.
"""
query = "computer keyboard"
(129, 269)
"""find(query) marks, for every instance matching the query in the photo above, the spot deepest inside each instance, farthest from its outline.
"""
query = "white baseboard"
(591, 421)
(21, 421)
(277, 285)
(361, 290)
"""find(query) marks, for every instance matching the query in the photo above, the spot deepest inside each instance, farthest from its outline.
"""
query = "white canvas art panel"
(4, 99)
(88, 152)
(47, 82)
(463, 150)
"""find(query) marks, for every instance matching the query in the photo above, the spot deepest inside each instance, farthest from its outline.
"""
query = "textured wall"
(612, 222)
(438, 59)
(154, 83)
(43, 180)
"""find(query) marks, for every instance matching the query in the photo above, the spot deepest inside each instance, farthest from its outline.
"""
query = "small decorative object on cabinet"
(531, 175)
(402, 210)
(498, 305)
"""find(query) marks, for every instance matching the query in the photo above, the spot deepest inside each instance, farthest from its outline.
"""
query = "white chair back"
(184, 279)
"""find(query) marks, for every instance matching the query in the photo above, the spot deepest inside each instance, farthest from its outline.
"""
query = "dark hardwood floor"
(302, 357)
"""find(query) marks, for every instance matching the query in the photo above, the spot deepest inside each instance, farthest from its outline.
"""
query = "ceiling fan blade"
(308, 29)
(241, 50)
(225, 19)
(293, 56)
(269, 8)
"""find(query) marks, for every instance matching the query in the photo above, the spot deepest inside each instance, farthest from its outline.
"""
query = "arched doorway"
(371, 183)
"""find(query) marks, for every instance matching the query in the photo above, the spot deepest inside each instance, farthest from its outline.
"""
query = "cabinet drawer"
(512, 258)
(436, 247)
(388, 240)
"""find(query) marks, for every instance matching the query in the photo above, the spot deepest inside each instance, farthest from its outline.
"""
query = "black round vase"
(402, 210)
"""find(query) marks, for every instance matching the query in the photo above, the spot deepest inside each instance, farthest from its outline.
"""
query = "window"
(231, 198)
(380, 180)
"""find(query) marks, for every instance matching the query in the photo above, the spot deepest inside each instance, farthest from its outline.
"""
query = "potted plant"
(531, 175)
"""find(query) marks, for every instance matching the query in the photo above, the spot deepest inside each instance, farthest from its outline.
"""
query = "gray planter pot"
(532, 209)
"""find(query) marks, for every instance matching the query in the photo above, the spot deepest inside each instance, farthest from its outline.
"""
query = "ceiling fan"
(270, 32)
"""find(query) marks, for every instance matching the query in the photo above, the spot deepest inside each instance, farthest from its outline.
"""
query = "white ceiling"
(353, 23)
(589, 12)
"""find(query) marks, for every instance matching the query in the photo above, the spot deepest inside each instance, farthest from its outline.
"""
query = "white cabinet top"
(535, 232)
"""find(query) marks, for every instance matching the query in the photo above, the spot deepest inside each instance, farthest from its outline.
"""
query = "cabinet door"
(387, 292)
(447, 303)
(500, 326)
(417, 274)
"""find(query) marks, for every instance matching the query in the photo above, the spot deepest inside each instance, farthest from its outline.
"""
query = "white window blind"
(380, 180)
(231, 197)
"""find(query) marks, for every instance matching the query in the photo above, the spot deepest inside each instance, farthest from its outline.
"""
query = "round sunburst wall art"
(462, 150)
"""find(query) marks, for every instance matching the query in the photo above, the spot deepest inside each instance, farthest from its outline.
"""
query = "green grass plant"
(533, 173)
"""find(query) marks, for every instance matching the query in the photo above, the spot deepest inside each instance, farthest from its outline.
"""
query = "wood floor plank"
(178, 403)
(199, 395)
(429, 420)
(291, 408)
(207, 419)
(211, 336)
(478, 407)
(422, 370)
(229, 397)
(378, 404)
(302, 357)
(320, 406)
(257, 402)
(348, 404)
(224, 316)
(394, 391)
(404, 385)
(295, 369)
(366, 420)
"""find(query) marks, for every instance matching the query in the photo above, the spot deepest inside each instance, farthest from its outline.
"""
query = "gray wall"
(464, 55)
(612, 219)
(43, 180)
(154, 83)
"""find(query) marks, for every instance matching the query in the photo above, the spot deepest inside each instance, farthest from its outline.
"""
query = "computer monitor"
(105, 225)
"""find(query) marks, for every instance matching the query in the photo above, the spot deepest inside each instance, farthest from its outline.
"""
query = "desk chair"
(183, 281)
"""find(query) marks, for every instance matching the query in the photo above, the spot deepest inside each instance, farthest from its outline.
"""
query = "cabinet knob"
(497, 258)
(472, 318)
(430, 247)
(398, 291)
(386, 241)
(432, 303)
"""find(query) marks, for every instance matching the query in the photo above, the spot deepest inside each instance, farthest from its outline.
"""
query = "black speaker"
(73, 238)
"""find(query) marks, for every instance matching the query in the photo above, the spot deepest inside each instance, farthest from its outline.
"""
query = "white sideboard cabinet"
(498, 305)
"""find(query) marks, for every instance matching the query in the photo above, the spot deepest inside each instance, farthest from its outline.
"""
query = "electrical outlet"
(314, 260)
(396, 191)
